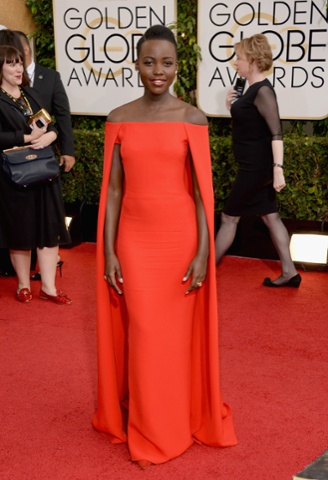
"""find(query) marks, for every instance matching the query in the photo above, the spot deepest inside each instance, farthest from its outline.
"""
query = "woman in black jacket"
(30, 217)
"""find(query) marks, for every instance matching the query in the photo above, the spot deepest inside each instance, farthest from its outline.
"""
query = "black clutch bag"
(25, 166)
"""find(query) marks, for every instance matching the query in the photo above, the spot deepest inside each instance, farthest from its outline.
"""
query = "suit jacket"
(48, 84)
(13, 124)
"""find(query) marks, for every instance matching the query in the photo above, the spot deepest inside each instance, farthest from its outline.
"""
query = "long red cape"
(209, 414)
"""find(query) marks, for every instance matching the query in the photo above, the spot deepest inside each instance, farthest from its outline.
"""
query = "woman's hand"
(230, 97)
(43, 140)
(278, 179)
(39, 137)
(113, 272)
(37, 132)
(197, 271)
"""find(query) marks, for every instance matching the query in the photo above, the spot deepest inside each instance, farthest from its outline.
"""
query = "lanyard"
(22, 102)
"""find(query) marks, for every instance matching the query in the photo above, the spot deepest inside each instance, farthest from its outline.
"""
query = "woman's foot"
(24, 295)
(281, 281)
(143, 464)
(60, 298)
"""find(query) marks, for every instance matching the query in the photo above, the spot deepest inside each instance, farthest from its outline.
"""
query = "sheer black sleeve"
(266, 103)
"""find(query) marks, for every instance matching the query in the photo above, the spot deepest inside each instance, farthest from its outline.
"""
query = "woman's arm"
(9, 138)
(40, 137)
(278, 165)
(113, 210)
(198, 266)
(267, 106)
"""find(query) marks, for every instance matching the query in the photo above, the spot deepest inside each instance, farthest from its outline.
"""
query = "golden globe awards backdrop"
(96, 49)
(15, 15)
(297, 32)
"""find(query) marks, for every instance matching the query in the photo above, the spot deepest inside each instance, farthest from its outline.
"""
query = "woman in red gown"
(158, 386)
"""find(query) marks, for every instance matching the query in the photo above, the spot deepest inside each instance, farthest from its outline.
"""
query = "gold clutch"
(42, 118)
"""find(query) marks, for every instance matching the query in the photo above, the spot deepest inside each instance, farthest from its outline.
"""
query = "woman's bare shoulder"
(194, 115)
(122, 113)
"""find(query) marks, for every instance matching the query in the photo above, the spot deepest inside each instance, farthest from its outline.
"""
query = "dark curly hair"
(157, 32)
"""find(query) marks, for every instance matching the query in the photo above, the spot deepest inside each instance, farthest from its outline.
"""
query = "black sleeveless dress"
(255, 123)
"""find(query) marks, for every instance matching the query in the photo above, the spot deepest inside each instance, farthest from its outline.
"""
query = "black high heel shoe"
(292, 282)
(59, 265)
(37, 275)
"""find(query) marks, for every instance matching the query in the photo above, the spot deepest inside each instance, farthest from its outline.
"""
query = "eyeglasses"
(22, 105)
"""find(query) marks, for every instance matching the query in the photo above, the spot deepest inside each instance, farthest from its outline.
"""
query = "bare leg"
(280, 239)
(225, 235)
(47, 258)
(21, 260)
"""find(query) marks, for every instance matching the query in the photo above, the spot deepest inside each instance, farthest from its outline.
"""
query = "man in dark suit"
(48, 84)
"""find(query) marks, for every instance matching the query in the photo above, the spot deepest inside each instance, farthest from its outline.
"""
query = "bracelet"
(278, 165)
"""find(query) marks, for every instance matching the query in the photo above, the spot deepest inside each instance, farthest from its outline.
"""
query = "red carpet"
(274, 376)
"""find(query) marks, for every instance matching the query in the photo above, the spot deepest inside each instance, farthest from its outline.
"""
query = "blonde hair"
(257, 50)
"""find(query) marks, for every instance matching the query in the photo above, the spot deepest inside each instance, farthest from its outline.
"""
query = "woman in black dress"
(258, 148)
(31, 217)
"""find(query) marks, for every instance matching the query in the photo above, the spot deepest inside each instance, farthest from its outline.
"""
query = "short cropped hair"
(22, 37)
(157, 32)
(257, 50)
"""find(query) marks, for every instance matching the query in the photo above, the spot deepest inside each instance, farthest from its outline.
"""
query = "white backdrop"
(95, 49)
(297, 32)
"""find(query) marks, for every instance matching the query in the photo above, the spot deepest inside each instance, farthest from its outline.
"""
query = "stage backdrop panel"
(15, 15)
(96, 49)
(297, 32)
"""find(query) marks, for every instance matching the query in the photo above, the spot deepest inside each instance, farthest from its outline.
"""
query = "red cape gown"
(158, 354)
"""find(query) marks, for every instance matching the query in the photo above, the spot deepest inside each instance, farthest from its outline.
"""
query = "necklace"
(22, 102)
